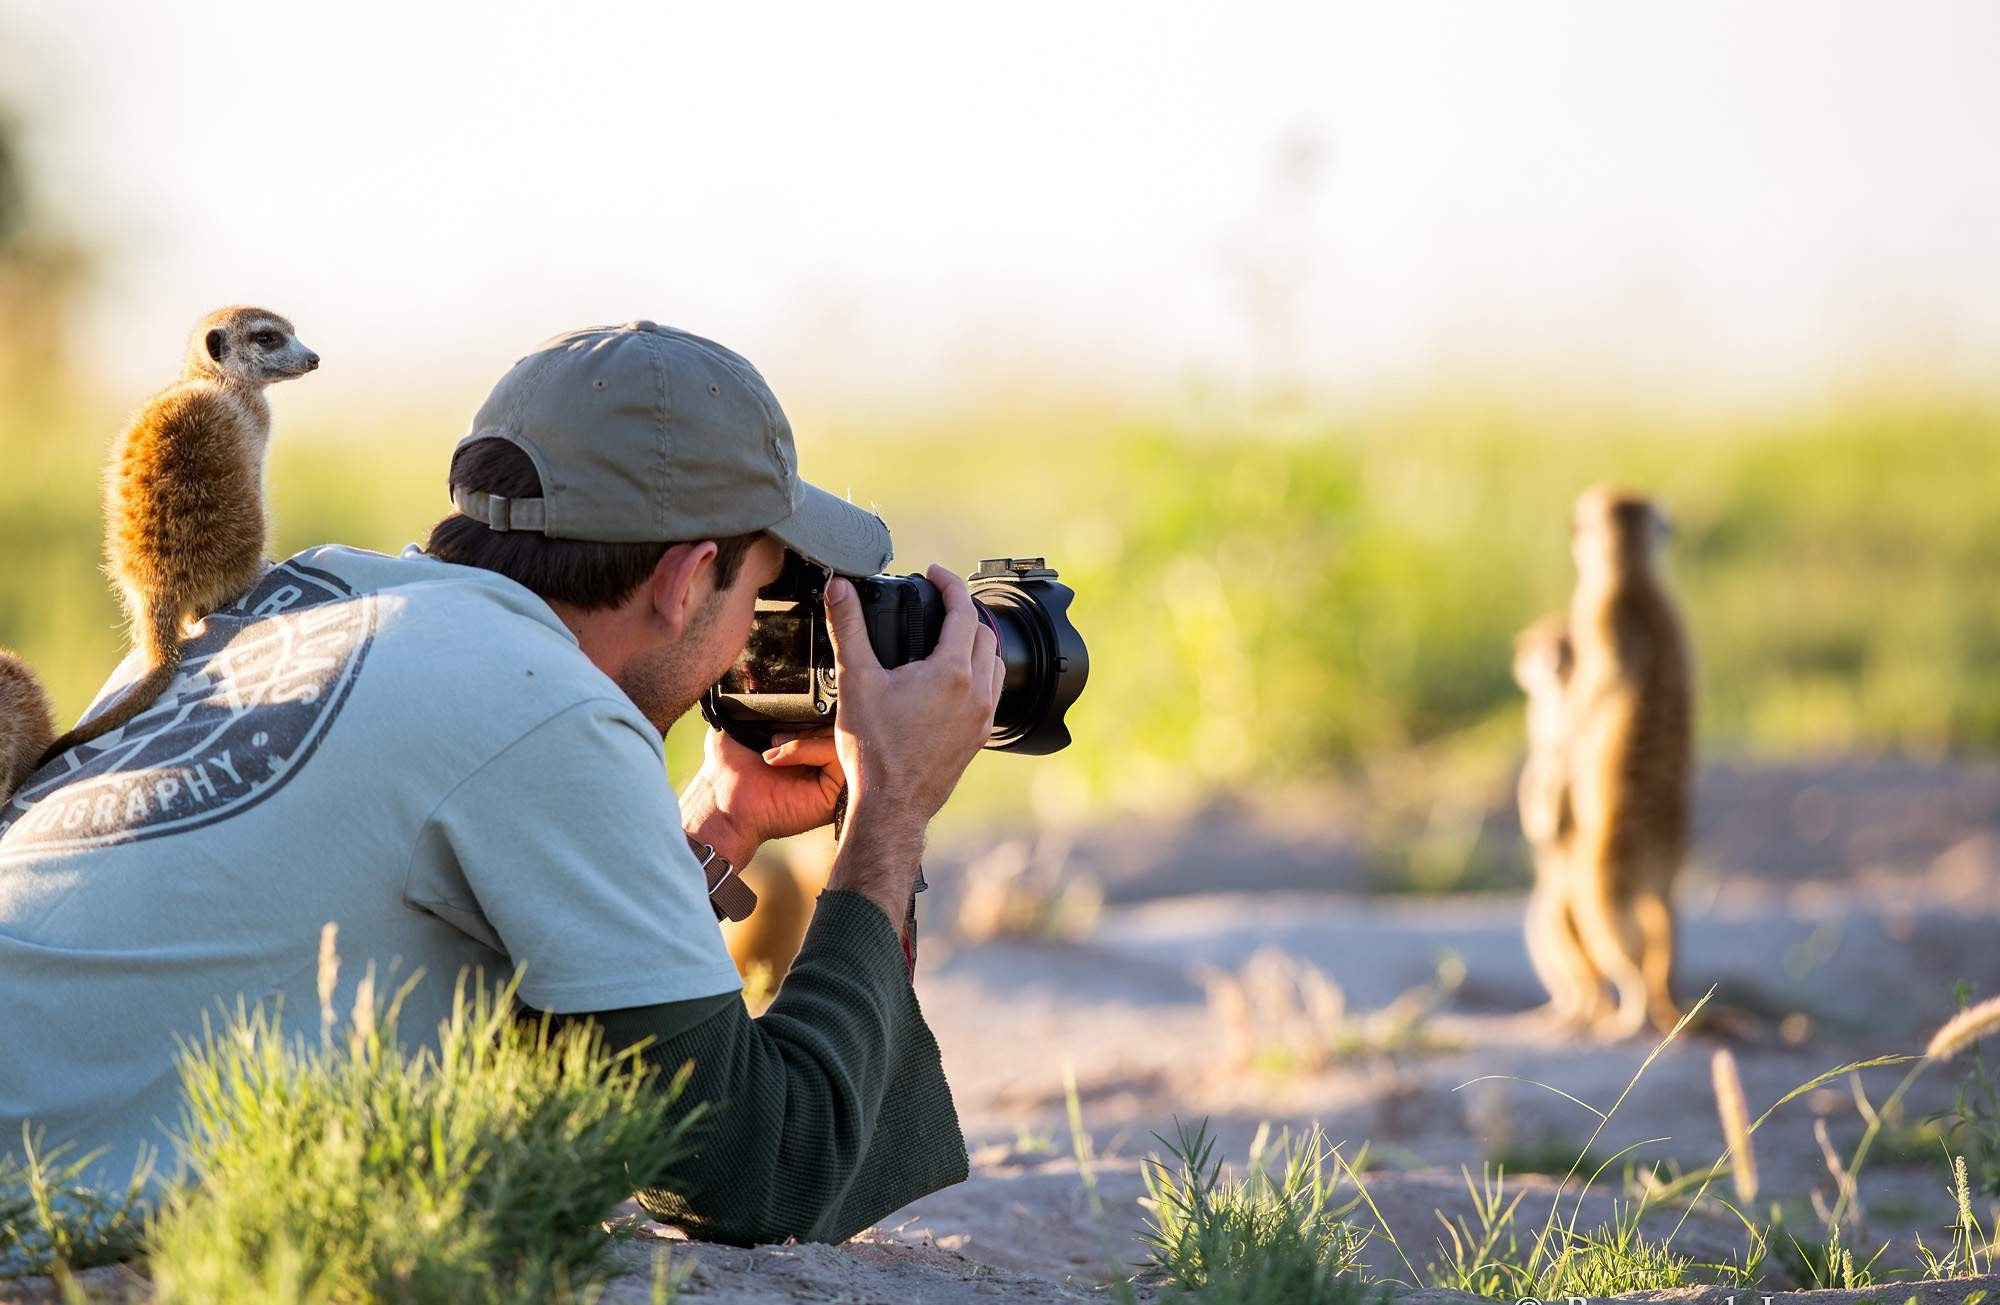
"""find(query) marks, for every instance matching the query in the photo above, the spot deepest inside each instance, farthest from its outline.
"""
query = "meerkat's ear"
(216, 345)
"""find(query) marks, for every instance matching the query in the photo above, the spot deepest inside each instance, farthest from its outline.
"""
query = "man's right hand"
(905, 735)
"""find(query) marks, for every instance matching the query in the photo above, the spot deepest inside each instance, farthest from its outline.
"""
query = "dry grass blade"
(329, 975)
(1532, 1082)
(1964, 1029)
(1849, 1193)
(1817, 1079)
(1388, 1233)
(1735, 1113)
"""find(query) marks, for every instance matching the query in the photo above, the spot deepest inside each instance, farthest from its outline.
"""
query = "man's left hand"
(740, 799)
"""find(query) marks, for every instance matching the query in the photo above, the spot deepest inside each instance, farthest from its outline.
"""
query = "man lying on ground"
(455, 756)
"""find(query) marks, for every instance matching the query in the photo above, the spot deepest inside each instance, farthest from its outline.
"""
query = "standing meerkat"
(184, 495)
(773, 934)
(1543, 661)
(1630, 745)
(27, 723)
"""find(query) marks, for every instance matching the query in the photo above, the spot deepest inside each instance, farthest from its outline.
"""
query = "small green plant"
(1486, 1255)
(1828, 1264)
(1613, 1258)
(1971, 1251)
(479, 1171)
(1972, 1126)
(1272, 1235)
(52, 1222)
(1481, 1254)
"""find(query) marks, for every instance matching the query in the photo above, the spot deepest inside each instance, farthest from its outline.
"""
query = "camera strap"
(731, 898)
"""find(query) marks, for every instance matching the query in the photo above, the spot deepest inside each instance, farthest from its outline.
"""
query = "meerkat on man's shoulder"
(184, 495)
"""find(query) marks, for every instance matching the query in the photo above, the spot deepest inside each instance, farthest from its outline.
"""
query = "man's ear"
(681, 582)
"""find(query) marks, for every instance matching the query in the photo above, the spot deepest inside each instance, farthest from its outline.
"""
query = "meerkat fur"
(787, 882)
(27, 723)
(184, 495)
(1542, 665)
(1630, 751)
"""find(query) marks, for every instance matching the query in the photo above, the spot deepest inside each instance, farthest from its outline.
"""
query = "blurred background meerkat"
(1630, 749)
(1542, 664)
(27, 723)
(787, 881)
(184, 495)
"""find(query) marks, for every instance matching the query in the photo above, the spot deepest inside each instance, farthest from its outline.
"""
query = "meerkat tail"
(160, 637)
(135, 699)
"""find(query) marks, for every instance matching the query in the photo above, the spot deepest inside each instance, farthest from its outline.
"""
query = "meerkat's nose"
(312, 362)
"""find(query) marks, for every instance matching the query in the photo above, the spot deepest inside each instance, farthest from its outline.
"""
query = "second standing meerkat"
(184, 495)
(1630, 744)
(1543, 661)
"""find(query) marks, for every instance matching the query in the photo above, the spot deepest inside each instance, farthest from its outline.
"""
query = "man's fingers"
(960, 620)
(846, 630)
(815, 750)
(999, 672)
(985, 648)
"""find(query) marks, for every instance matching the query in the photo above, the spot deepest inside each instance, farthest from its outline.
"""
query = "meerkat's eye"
(267, 339)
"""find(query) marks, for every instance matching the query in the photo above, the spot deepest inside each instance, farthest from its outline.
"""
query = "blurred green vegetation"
(1266, 609)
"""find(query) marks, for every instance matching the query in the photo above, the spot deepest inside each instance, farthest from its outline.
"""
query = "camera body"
(785, 679)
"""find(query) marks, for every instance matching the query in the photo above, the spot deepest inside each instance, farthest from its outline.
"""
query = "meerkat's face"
(250, 346)
(1612, 533)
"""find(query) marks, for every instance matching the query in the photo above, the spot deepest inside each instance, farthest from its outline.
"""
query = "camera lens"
(1047, 663)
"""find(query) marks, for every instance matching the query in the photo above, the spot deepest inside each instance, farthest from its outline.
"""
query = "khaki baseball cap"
(645, 434)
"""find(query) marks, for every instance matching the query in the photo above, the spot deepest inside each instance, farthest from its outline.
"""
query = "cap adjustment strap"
(496, 512)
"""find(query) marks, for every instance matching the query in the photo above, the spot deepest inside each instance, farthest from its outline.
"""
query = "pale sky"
(880, 200)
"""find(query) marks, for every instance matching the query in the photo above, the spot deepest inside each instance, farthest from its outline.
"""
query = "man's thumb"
(845, 626)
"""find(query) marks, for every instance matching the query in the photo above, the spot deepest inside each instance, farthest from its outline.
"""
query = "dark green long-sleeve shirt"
(826, 1113)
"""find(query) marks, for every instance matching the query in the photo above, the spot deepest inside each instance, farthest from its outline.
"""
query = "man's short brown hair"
(582, 573)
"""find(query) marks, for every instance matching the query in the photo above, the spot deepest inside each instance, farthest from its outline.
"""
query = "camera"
(784, 680)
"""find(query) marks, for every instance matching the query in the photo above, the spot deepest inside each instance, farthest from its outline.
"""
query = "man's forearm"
(880, 851)
(827, 1113)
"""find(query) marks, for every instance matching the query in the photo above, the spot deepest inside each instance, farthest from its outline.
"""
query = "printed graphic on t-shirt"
(256, 691)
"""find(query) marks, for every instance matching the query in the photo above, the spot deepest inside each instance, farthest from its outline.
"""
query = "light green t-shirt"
(415, 751)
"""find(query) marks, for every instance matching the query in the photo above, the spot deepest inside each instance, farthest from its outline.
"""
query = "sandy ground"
(1833, 909)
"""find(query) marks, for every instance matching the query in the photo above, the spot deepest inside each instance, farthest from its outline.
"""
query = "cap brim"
(836, 534)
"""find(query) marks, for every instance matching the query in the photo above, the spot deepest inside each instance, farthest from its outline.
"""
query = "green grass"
(481, 1170)
(52, 1221)
(478, 1169)
(484, 1169)
(1490, 1254)
(1285, 1229)
(1275, 1234)
(1272, 608)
